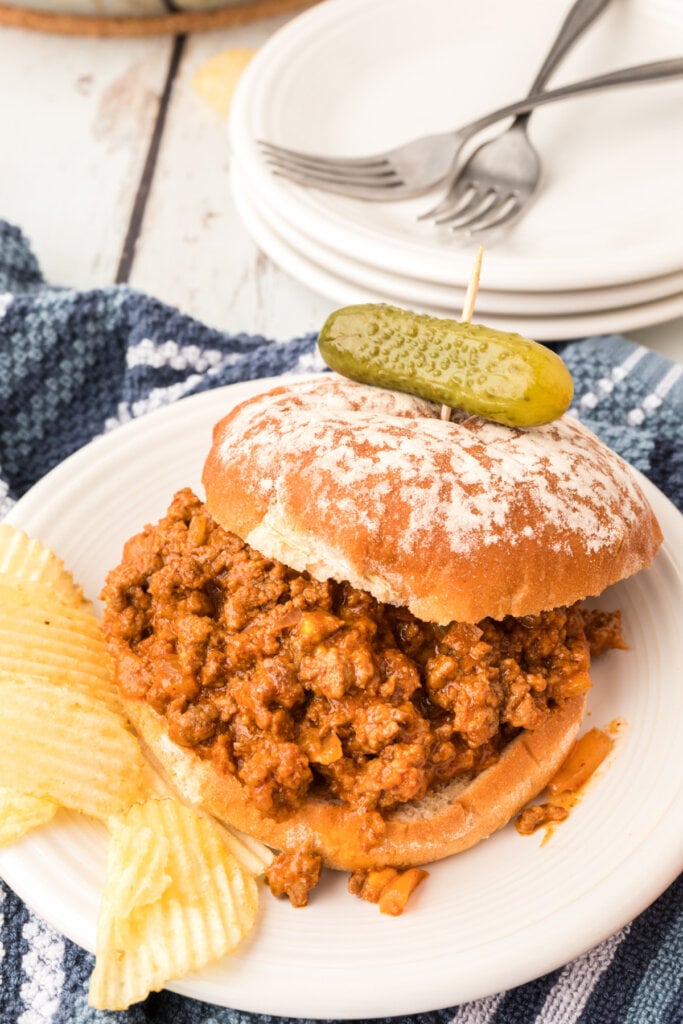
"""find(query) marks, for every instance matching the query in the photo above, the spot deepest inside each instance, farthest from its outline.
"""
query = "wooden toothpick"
(468, 308)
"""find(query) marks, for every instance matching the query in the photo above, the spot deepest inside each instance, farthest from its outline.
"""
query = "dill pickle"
(500, 376)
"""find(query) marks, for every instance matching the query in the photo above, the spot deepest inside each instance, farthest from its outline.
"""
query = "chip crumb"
(216, 80)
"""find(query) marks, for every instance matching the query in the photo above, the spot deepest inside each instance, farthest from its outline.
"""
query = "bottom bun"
(446, 821)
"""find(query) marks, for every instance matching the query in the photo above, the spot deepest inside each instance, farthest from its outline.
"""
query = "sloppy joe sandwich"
(366, 647)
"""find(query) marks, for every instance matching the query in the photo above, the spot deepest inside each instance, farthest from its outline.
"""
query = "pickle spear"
(500, 376)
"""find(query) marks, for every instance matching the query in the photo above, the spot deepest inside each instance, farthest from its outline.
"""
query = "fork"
(414, 167)
(501, 175)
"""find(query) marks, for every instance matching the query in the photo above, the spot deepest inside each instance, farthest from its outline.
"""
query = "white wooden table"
(116, 169)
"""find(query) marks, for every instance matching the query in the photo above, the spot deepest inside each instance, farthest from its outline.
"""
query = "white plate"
(429, 295)
(494, 917)
(350, 77)
(369, 288)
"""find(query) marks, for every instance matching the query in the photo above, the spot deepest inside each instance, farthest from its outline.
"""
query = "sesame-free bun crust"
(455, 520)
(447, 821)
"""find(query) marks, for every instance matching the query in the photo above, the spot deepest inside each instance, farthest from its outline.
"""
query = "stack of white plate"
(600, 248)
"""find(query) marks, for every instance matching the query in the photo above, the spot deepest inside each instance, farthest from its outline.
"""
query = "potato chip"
(43, 637)
(18, 594)
(20, 812)
(59, 743)
(203, 912)
(24, 558)
(92, 681)
(137, 865)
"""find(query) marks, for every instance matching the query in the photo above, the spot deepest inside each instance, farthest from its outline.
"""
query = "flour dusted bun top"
(455, 520)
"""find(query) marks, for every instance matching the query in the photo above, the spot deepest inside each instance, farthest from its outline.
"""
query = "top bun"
(455, 520)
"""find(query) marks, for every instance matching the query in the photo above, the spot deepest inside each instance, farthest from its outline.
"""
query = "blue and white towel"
(74, 364)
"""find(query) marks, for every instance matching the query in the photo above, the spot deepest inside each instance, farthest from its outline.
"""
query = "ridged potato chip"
(59, 743)
(20, 812)
(204, 910)
(41, 636)
(137, 862)
(24, 558)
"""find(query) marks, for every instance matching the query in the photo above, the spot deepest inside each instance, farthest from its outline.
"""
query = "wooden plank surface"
(114, 166)
(193, 249)
(77, 117)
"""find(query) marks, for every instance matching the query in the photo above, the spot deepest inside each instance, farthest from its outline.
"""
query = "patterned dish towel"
(75, 364)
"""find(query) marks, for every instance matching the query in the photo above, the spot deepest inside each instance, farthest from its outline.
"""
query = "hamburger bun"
(454, 520)
(445, 822)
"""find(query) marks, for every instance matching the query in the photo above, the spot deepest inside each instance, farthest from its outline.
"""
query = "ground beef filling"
(292, 684)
